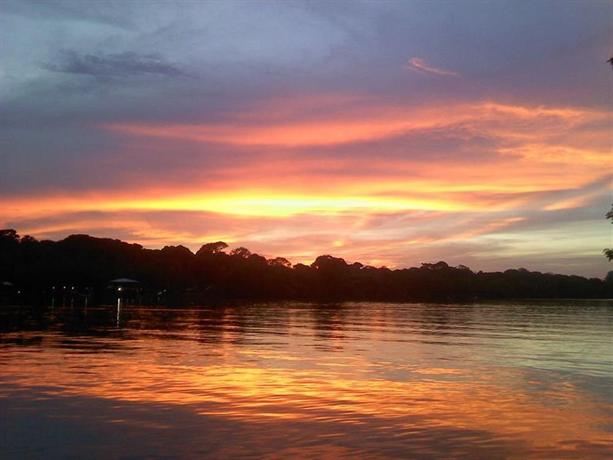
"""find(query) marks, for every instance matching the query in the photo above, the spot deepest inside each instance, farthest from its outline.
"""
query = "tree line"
(176, 274)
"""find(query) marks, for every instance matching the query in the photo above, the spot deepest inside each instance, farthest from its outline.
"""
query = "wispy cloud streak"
(419, 65)
(117, 65)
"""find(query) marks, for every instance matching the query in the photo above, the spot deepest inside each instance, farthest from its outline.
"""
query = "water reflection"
(368, 380)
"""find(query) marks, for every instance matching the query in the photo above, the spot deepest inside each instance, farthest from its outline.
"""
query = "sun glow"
(247, 204)
(366, 179)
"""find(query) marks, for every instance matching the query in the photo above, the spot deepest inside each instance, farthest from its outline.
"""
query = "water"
(523, 380)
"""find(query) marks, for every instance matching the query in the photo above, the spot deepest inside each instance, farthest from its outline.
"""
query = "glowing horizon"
(497, 160)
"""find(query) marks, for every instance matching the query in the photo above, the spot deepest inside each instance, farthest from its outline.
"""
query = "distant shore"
(82, 268)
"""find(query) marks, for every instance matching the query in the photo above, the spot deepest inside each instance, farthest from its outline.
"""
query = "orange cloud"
(376, 123)
(295, 182)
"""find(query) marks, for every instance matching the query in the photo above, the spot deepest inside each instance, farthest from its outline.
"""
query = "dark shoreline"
(84, 269)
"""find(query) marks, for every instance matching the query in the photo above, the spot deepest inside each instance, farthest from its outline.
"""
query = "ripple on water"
(367, 380)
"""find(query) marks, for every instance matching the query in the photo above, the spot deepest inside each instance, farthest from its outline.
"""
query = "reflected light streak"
(258, 394)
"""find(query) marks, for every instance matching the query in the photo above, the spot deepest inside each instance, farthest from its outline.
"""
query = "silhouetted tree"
(241, 252)
(212, 248)
(609, 252)
(279, 262)
(81, 263)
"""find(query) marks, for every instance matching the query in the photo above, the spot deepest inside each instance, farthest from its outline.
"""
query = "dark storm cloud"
(120, 65)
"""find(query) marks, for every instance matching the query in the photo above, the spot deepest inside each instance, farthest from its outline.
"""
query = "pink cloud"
(419, 65)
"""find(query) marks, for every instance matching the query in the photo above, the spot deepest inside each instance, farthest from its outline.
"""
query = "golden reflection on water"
(391, 376)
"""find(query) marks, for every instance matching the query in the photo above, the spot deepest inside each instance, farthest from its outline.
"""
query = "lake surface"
(368, 380)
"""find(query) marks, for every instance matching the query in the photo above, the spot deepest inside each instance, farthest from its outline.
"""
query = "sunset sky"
(390, 132)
